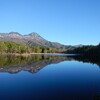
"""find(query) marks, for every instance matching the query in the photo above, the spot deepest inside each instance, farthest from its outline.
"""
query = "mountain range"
(30, 39)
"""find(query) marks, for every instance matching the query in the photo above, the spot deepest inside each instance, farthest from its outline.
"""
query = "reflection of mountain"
(14, 64)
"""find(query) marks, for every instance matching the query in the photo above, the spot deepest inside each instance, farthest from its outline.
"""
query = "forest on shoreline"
(88, 50)
(19, 48)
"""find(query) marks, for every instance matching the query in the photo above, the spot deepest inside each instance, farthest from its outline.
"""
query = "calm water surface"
(49, 77)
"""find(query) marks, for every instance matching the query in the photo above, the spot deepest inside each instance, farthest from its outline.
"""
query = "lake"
(49, 77)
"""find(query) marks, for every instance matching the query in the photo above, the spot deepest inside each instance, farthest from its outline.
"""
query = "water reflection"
(68, 80)
(88, 59)
(33, 63)
(15, 64)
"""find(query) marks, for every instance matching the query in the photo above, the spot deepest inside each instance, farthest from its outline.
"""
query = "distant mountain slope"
(30, 39)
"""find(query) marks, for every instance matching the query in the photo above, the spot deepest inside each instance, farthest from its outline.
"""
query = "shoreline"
(27, 54)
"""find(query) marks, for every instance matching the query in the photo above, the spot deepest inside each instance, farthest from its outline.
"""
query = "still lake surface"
(49, 77)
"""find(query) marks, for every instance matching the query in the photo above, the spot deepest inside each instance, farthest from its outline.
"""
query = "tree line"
(86, 50)
(13, 47)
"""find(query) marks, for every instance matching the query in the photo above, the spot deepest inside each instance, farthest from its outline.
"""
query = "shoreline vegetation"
(13, 48)
(27, 54)
(7, 47)
(88, 51)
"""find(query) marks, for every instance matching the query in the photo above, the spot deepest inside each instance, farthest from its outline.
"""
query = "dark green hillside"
(86, 50)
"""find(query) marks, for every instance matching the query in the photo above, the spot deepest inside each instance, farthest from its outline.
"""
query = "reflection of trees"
(88, 59)
(34, 63)
(14, 64)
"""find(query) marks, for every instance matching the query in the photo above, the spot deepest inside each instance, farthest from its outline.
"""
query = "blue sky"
(69, 22)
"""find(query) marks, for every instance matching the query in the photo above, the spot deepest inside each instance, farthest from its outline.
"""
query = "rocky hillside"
(30, 39)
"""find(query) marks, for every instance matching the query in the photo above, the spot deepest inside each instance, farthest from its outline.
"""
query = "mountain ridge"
(29, 39)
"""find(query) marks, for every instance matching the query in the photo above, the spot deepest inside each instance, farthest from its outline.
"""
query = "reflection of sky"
(67, 79)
